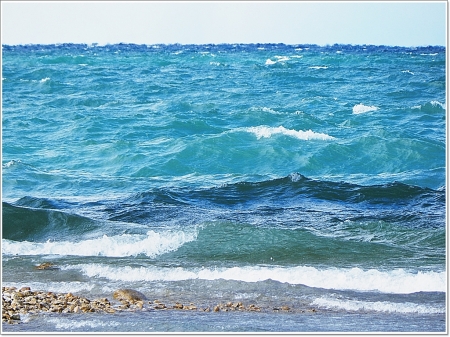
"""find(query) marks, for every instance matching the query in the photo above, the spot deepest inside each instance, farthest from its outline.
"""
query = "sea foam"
(361, 108)
(267, 132)
(396, 281)
(152, 244)
(378, 306)
(280, 59)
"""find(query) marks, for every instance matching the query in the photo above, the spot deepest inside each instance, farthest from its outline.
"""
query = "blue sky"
(402, 23)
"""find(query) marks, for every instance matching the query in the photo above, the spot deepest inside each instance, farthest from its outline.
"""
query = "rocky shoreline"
(17, 302)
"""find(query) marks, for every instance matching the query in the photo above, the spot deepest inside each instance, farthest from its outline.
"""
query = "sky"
(401, 23)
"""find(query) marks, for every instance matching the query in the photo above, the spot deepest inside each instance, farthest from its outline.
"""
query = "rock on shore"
(129, 295)
(24, 301)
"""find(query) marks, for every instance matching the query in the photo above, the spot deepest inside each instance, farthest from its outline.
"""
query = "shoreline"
(17, 302)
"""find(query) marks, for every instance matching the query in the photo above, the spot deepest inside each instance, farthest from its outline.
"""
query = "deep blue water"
(312, 176)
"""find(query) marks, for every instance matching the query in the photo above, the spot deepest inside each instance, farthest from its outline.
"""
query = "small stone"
(15, 317)
(253, 307)
(216, 308)
(129, 295)
(178, 306)
(32, 300)
(46, 266)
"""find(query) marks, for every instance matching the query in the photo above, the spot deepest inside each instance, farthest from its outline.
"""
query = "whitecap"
(433, 103)
(318, 67)
(270, 62)
(45, 80)
(361, 108)
(396, 281)
(378, 306)
(11, 163)
(152, 244)
(407, 72)
(267, 132)
(278, 59)
(436, 103)
(282, 58)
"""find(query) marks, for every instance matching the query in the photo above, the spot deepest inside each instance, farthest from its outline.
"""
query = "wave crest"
(152, 244)
(396, 281)
(267, 132)
(361, 108)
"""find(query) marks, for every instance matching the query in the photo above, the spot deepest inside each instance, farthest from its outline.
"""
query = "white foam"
(267, 132)
(318, 67)
(45, 80)
(266, 109)
(270, 62)
(407, 72)
(152, 244)
(436, 103)
(56, 287)
(11, 163)
(278, 59)
(361, 108)
(379, 306)
(395, 281)
(63, 323)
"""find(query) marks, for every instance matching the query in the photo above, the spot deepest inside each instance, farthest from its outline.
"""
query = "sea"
(305, 176)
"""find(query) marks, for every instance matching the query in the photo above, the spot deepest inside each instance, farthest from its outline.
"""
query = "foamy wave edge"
(379, 306)
(361, 108)
(396, 281)
(152, 244)
(267, 132)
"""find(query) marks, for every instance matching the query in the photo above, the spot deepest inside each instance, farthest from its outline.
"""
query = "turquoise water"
(298, 174)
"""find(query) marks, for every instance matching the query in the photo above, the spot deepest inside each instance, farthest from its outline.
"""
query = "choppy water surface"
(306, 176)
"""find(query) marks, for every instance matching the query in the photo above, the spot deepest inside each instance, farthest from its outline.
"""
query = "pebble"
(16, 302)
(46, 266)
